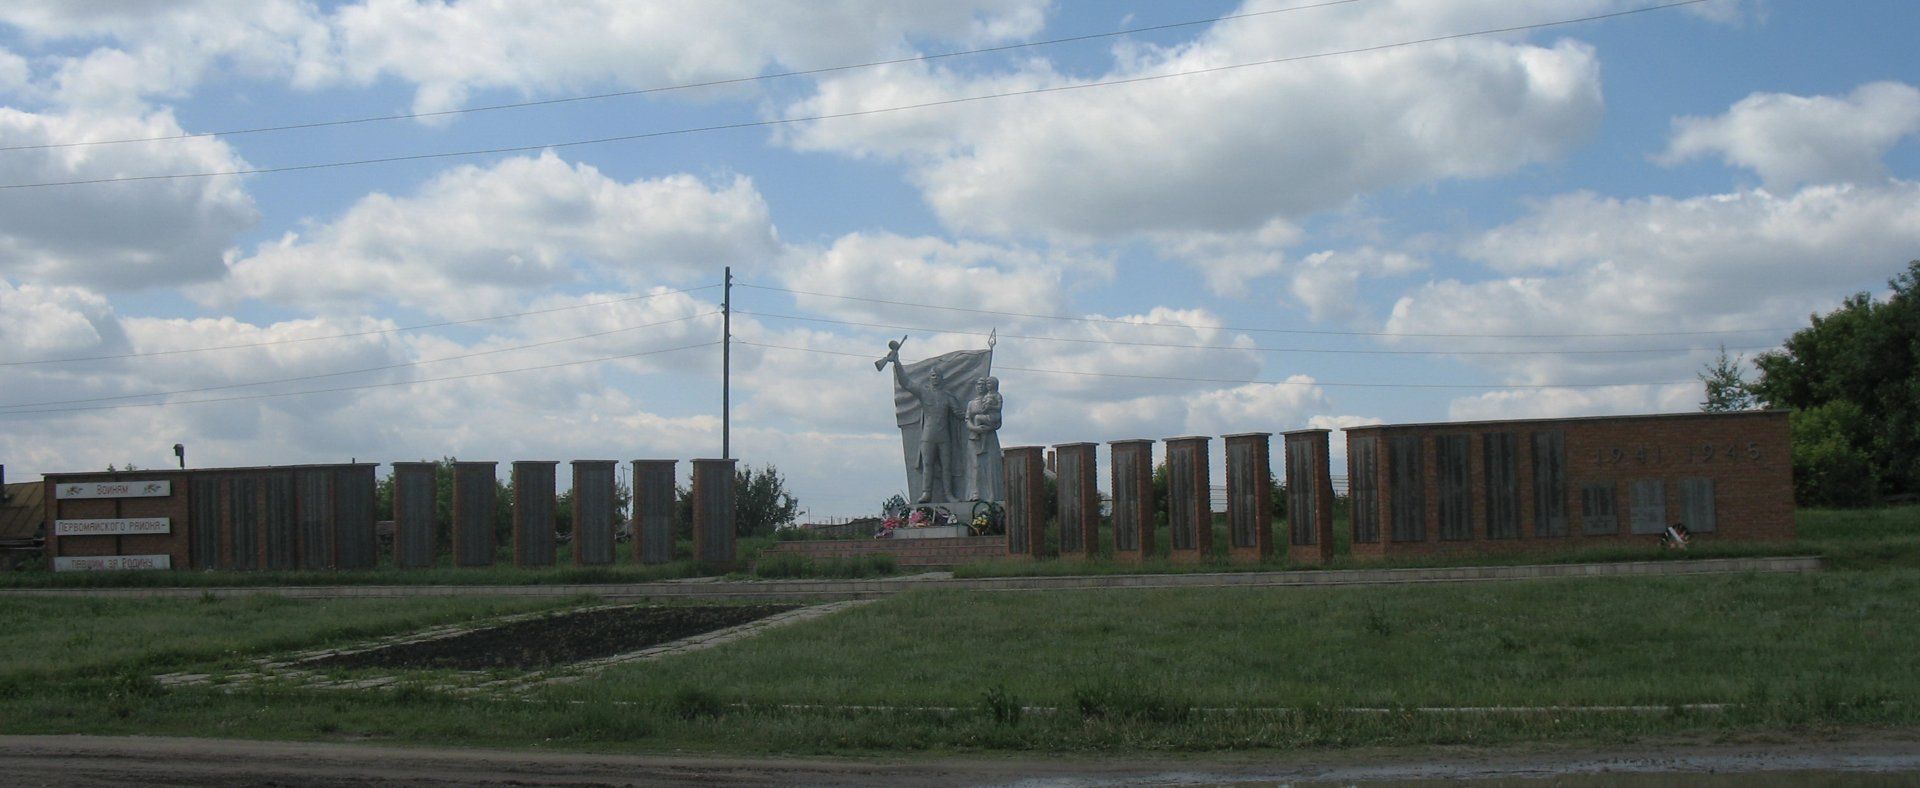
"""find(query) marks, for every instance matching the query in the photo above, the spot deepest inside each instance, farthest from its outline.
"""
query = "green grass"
(1119, 671)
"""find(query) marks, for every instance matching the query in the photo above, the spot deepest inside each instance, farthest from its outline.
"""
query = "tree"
(443, 504)
(760, 503)
(1853, 379)
(1727, 387)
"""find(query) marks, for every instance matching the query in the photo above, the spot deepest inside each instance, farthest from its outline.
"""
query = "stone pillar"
(355, 544)
(533, 507)
(473, 503)
(1309, 498)
(1132, 500)
(414, 486)
(713, 513)
(1026, 501)
(653, 511)
(593, 494)
(1249, 498)
(1079, 493)
(1189, 500)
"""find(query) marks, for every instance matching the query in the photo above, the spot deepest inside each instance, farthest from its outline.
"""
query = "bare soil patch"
(556, 640)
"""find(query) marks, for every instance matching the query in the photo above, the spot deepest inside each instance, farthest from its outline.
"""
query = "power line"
(1242, 382)
(402, 365)
(442, 324)
(363, 386)
(681, 86)
(838, 115)
(1259, 349)
(1316, 332)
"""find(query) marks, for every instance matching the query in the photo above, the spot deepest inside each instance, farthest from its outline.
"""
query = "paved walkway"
(865, 589)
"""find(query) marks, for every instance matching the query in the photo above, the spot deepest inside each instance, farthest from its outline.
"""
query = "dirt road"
(116, 761)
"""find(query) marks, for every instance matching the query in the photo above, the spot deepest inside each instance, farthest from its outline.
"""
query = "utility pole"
(726, 366)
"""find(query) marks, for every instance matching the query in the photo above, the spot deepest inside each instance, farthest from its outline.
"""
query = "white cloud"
(116, 235)
(1328, 283)
(38, 322)
(1227, 151)
(928, 270)
(482, 235)
(1567, 403)
(1793, 140)
(14, 72)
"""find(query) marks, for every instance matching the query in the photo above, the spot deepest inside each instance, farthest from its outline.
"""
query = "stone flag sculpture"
(948, 410)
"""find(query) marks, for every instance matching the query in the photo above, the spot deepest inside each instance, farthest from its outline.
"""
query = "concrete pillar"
(533, 507)
(1309, 498)
(713, 512)
(1249, 498)
(653, 511)
(1026, 501)
(1079, 493)
(593, 491)
(414, 486)
(1189, 500)
(473, 504)
(1132, 468)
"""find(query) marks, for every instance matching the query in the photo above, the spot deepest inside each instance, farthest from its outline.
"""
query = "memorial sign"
(118, 527)
(109, 563)
(158, 488)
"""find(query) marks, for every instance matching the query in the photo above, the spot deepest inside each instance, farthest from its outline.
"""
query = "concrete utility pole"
(726, 366)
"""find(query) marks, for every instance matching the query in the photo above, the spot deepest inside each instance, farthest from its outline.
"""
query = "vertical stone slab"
(277, 513)
(1079, 500)
(1500, 478)
(1249, 497)
(414, 486)
(355, 544)
(1549, 484)
(653, 511)
(1407, 488)
(1363, 479)
(1025, 468)
(593, 492)
(533, 504)
(313, 488)
(713, 513)
(1453, 460)
(203, 524)
(1133, 504)
(473, 504)
(1310, 497)
(243, 514)
(1189, 500)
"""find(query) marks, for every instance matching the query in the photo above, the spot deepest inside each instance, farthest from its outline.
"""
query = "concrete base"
(931, 532)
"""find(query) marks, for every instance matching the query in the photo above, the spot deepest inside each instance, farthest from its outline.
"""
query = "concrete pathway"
(866, 589)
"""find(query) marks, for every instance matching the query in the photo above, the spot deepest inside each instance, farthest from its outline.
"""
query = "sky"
(284, 232)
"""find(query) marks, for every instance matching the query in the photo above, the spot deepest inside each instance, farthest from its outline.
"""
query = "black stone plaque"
(1409, 493)
(1452, 458)
(1501, 456)
(1549, 484)
(593, 511)
(1363, 480)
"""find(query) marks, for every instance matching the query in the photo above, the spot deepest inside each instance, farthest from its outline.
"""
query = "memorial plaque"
(1363, 479)
(1696, 505)
(533, 505)
(593, 512)
(111, 563)
(243, 512)
(1079, 500)
(414, 528)
(1502, 482)
(1549, 484)
(277, 512)
(1599, 514)
(1302, 497)
(1249, 497)
(1025, 469)
(653, 510)
(315, 489)
(142, 488)
(203, 522)
(116, 527)
(1189, 499)
(473, 507)
(1452, 457)
(1133, 504)
(356, 544)
(1408, 488)
(713, 512)
(1649, 502)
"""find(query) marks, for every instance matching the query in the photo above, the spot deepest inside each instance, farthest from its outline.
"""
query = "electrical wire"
(1256, 349)
(1256, 329)
(1240, 381)
(401, 365)
(364, 386)
(349, 335)
(838, 115)
(681, 86)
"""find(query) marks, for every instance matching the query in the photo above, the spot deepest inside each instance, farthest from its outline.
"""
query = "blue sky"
(1475, 228)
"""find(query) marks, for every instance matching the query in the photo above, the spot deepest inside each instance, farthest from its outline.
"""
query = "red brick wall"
(174, 507)
(1745, 454)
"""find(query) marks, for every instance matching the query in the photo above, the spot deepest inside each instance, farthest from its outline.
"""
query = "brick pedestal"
(653, 511)
(713, 512)
(1189, 500)
(1133, 503)
(1079, 500)
(1309, 498)
(533, 505)
(1249, 498)
(473, 503)
(1026, 501)
(593, 488)
(414, 486)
